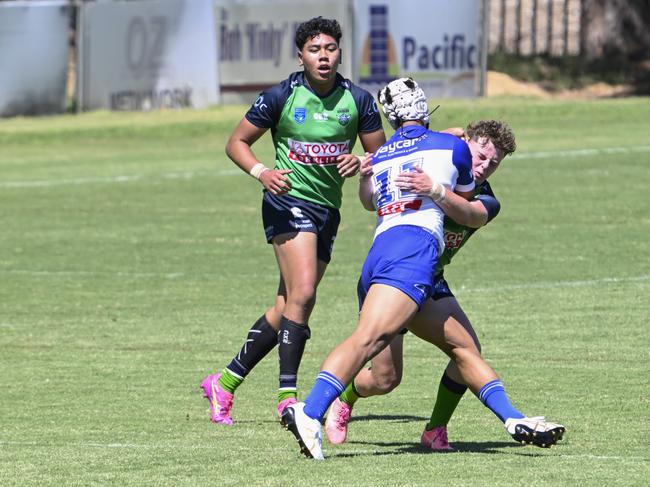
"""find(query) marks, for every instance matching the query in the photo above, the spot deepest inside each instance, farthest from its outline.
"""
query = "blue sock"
(494, 396)
(326, 388)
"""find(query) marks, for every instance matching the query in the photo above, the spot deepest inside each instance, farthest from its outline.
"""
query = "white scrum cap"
(402, 100)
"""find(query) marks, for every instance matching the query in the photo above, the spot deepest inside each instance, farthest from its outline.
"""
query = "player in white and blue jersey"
(398, 274)
(444, 158)
(442, 320)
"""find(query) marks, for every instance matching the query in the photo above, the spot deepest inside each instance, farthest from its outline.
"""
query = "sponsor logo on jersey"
(454, 240)
(300, 115)
(319, 153)
(399, 207)
(344, 119)
(321, 117)
(400, 145)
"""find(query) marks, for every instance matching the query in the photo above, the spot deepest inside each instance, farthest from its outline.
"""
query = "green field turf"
(133, 261)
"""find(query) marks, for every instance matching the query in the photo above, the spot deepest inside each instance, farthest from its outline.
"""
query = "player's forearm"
(469, 213)
(365, 193)
(242, 155)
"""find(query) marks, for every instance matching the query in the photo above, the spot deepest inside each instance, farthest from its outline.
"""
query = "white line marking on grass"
(117, 179)
(604, 457)
(354, 452)
(578, 456)
(459, 289)
(237, 172)
(582, 152)
(169, 275)
(554, 284)
(103, 445)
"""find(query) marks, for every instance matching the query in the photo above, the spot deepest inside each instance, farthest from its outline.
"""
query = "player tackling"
(398, 275)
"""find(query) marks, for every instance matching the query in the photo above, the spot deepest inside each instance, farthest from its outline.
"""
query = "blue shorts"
(403, 257)
(440, 288)
(286, 214)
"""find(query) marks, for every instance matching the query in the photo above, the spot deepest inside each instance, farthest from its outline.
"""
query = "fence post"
(565, 28)
(583, 29)
(533, 29)
(518, 28)
(549, 27)
(502, 27)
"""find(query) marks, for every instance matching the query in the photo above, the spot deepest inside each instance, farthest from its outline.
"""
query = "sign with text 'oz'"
(157, 54)
(33, 57)
(436, 42)
(256, 41)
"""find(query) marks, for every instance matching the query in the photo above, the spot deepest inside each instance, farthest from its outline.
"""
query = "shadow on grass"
(486, 447)
(397, 418)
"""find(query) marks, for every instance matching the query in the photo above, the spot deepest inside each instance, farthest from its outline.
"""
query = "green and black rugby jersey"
(310, 132)
(456, 235)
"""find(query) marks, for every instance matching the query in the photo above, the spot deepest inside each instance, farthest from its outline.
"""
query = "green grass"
(132, 262)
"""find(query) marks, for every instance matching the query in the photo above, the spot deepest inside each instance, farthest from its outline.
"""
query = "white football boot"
(535, 431)
(306, 430)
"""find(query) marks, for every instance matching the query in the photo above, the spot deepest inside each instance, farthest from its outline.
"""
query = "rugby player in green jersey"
(315, 117)
(442, 320)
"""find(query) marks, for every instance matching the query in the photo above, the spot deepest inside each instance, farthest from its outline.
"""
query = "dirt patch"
(500, 84)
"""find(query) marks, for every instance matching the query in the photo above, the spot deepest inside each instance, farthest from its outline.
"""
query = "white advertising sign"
(33, 57)
(255, 40)
(146, 55)
(436, 42)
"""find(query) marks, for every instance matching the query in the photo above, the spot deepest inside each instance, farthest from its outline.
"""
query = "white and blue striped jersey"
(444, 157)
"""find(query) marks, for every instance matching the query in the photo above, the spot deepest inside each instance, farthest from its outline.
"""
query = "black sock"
(261, 339)
(291, 340)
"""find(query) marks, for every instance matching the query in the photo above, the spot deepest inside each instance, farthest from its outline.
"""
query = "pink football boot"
(336, 424)
(220, 400)
(436, 439)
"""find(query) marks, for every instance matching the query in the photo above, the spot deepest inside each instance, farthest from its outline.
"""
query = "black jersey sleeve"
(369, 118)
(491, 203)
(265, 111)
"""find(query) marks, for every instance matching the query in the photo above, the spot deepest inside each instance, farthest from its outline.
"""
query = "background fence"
(531, 27)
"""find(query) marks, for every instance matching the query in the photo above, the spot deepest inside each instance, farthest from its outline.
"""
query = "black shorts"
(440, 288)
(286, 214)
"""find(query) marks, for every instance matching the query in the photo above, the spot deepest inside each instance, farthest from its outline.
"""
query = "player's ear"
(340, 55)
(300, 62)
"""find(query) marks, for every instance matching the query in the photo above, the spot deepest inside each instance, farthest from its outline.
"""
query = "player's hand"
(275, 181)
(365, 170)
(416, 181)
(348, 165)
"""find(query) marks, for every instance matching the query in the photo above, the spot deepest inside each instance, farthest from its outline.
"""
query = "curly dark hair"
(498, 132)
(318, 25)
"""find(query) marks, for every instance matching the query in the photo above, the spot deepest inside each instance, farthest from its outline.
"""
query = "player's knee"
(387, 381)
(464, 354)
(304, 295)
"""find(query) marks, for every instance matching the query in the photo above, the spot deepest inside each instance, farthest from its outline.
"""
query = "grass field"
(132, 262)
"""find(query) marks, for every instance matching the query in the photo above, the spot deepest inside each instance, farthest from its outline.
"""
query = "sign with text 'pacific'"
(436, 42)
